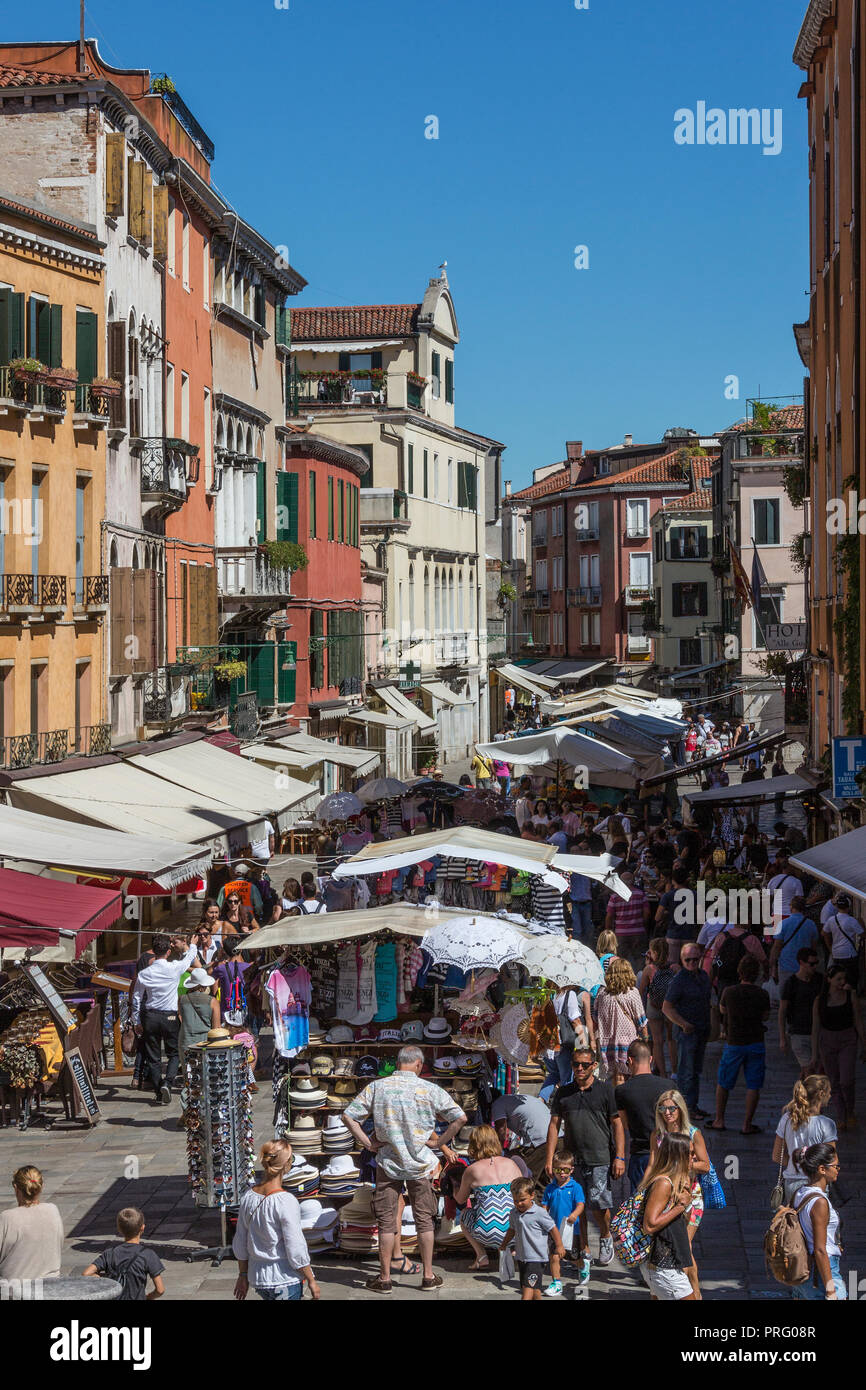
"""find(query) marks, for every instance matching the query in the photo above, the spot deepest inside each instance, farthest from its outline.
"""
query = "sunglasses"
(580, 1066)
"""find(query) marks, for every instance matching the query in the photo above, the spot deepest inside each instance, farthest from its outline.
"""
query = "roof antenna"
(82, 61)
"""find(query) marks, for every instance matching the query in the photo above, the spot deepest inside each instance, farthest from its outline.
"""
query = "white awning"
(764, 789)
(514, 676)
(548, 747)
(601, 867)
(270, 756)
(359, 759)
(206, 770)
(319, 929)
(439, 690)
(840, 862)
(463, 842)
(351, 346)
(384, 721)
(399, 705)
(69, 845)
(121, 797)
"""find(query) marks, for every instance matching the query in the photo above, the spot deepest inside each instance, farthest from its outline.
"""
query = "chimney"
(573, 449)
(508, 487)
(627, 441)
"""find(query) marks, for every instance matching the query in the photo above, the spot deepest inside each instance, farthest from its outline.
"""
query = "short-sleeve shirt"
(528, 1116)
(587, 1117)
(800, 996)
(637, 1098)
(796, 932)
(404, 1108)
(844, 932)
(788, 887)
(561, 1201)
(745, 1007)
(531, 1230)
(689, 992)
(130, 1265)
(628, 917)
(681, 922)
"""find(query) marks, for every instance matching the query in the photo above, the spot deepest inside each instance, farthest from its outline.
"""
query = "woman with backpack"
(668, 1186)
(619, 1018)
(819, 1223)
(229, 975)
(801, 1126)
(672, 1117)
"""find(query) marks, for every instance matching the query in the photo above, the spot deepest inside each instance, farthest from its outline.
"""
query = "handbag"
(630, 1240)
(777, 1196)
(713, 1192)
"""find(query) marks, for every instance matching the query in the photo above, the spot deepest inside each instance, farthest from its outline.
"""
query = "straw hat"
(304, 1094)
(340, 1166)
(359, 1212)
(460, 1142)
(437, 1030)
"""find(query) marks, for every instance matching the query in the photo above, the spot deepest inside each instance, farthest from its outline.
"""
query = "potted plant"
(506, 594)
(27, 369)
(64, 378)
(107, 386)
(226, 671)
(415, 379)
(286, 555)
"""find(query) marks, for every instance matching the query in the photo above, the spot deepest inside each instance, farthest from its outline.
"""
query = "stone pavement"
(136, 1156)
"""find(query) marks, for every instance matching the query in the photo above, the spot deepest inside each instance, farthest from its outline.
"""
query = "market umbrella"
(338, 806)
(562, 961)
(473, 943)
(381, 789)
(442, 791)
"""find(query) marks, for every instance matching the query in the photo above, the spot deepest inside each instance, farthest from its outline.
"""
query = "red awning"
(224, 738)
(34, 910)
(142, 887)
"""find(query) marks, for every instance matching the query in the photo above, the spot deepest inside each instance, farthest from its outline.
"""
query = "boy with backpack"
(130, 1263)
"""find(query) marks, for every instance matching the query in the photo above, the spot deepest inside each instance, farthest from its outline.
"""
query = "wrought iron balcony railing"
(92, 591)
(91, 406)
(32, 592)
(52, 746)
(168, 466)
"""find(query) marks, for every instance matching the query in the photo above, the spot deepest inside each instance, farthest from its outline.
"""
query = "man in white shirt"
(843, 936)
(782, 887)
(262, 849)
(154, 1010)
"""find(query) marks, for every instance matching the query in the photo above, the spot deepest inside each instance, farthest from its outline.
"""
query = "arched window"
(112, 556)
(427, 601)
(460, 600)
(437, 615)
(136, 557)
(451, 599)
(411, 598)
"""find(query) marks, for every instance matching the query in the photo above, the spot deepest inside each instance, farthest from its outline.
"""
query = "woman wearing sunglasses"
(820, 1225)
(672, 1117)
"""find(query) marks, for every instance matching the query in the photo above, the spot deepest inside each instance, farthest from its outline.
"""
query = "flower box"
(64, 378)
(107, 387)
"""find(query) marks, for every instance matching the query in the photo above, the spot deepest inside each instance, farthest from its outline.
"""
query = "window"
(637, 517)
(539, 526)
(690, 651)
(688, 543)
(689, 600)
(557, 571)
(450, 498)
(765, 521)
(184, 406)
(770, 610)
(410, 468)
(558, 629)
(425, 472)
(449, 380)
(434, 375)
(330, 509)
(595, 571)
(541, 574)
(80, 536)
(85, 345)
(317, 648)
(436, 476)
(45, 331)
(184, 251)
(37, 515)
(205, 272)
(640, 571)
(556, 519)
(287, 507)
(467, 485)
(584, 629)
(38, 695)
(208, 438)
(341, 511)
(657, 545)
(12, 325)
(312, 505)
(169, 400)
(171, 261)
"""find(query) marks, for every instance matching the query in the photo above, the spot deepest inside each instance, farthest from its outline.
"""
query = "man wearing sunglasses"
(687, 1005)
(594, 1134)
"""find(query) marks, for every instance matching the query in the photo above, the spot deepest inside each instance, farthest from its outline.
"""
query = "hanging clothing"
(413, 959)
(399, 955)
(290, 993)
(386, 983)
(366, 1001)
(323, 974)
(347, 982)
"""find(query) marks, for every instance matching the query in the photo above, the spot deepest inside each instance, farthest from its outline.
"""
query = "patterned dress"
(619, 1019)
(488, 1217)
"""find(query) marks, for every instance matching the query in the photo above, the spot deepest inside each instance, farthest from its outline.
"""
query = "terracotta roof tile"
(555, 482)
(790, 417)
(354, 321)
(30, 77)
(49, 220)
(666, 469)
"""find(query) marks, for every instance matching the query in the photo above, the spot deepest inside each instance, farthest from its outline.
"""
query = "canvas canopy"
(525, 680)
(317, 929)
(30, 838)
(302, 745)
(601, 867)
(840, 862)
(463, 842)
(763, 790)
(223, 777)
(542, 751)
(34, 911)
(405, 709)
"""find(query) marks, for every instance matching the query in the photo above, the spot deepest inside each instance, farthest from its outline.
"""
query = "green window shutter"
(12, 334)
(283, 326)
(410, 481)
(287, 653)
(287, 507)
(312, 506)
(55, 335)
(260, 671)
(42, 329)
(330, 509)
(261, 502)
(259, 304)
(376, 361)
(436, 368)
(317, 659)
(85, 345)
(449, 379)
(462, 490)
(341, 511)
(367, 451)
(33, 306)
(425, 472)
(343, 364)
(472, 472)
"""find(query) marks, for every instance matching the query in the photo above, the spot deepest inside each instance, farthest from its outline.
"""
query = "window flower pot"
(106, 387)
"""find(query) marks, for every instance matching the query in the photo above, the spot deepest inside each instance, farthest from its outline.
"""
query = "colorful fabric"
(290, 993)
(386, 983)
(490, 1214)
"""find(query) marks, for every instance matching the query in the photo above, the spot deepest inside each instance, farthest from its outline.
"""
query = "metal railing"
(637, 533)
(587, 533)
(53, 745)
(247, 573)
(343, 388)
(89, 402)
(635, 594)
(167, 466)
(32, 591)
(589, 597)
(92, 590)
(162, 86)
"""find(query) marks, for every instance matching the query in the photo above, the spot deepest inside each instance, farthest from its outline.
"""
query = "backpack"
(728, 958)
(236, 1003)
(785, 1251)
(631, 1242)
(567, 1035)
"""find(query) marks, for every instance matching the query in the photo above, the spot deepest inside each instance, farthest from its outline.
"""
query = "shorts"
(801, 1046)
(282, 1293)
(595, 1181)
(531, 1273)
(751, 1057)
(669, 1285)
(422, 1199)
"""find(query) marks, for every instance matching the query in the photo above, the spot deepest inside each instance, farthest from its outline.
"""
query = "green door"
(286, 655)
(287, 507)
(260, 671)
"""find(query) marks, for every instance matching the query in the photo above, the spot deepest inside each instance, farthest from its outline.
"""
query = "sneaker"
(164, 1095)
(605, 1253)
(583, 1269)
(554, 1289)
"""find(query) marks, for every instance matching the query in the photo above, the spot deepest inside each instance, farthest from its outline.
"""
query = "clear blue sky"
(556, 129)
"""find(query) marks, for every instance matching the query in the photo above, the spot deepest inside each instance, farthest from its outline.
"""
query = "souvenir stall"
(219, 1127)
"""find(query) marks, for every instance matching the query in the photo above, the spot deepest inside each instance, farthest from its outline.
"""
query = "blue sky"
(555, 130)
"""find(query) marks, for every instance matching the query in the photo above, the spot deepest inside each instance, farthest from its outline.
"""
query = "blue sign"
(849, 758)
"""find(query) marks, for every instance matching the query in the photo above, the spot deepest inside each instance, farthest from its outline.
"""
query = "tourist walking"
(573, 1008)
(796, 1004)
(269, 1243)
(656, 976)
(199, 1010)
(837, 1029)
(843, 937)
(672, 1117)
(745, 1008)
(629, 921)
(404, 1110)
(154, 1013)
(31, 1232)
(802, 1125)
(485, 1194)
(668, 1185)
(820, 1225)
(798, 931)
(636, 1100)
(687, 1005)
(619, 1018)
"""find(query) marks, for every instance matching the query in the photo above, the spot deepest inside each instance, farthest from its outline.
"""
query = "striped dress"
(488, 1217)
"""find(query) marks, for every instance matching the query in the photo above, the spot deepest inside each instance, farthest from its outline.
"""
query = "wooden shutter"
(449, 379)
(117, 369)
(312, 505)
(55, 336)
(121, 626)
(32, 312)
(343, 363)
(425, 472)
(146, 205)
(376, 361)
(410, 481)
(259, 304)
(341, 511)
(85, 345)
(261, 502)
(115, 148)
(287, 506)
(194, 605)
(261, 660)
(134, 389)
(141, 624)
(12, 334)
(330, 509)
(209, 636)
(41, 332)
(133, 195)
(462, 490)
(286, 680)
(160, 222)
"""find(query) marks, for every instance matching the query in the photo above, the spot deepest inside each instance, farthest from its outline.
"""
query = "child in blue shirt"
(563, 1199)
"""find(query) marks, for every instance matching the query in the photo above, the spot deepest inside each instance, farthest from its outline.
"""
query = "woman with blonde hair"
(619, 1018)
(655, 978)
(31, 1233)
(667, 1183)
(269, 1240)
(672, 1117)
(487, 1182)
(606, 947)
(800, 1126)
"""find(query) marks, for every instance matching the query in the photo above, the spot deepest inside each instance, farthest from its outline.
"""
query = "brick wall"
(39, 149)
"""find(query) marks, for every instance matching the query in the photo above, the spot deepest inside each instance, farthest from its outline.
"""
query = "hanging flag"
(761, 584)
(741, 582)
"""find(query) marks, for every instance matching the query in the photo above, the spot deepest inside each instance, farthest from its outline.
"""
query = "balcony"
(451, 648)
(248, 582)
(168, 466)
(636, 594)
(31, 750)
(92, 409)
(639, 532)
(587, 533)
(327, 389)
(542, 598)
(384, 509)
(91, 596)
(588, 597)
(639, 645)
(32, 596)
(495, 639)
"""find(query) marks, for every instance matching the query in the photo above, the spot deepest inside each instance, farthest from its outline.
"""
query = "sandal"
(379, 1285)
(406, 1266)
(479, 1264)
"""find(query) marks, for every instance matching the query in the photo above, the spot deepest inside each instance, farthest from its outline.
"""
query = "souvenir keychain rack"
(219, 1128)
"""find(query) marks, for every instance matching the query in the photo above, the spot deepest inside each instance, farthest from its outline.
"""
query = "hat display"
(344, 1066)
(444, 1064)
(469, 1065)
(305, 1135)
(319, 1224)
(340, 1166)
(390, 1035)
(340, 1034)
(336, 1138)
(437, 1030)
(359, 1228)
(304, 1094)
(460, 1142)
(344, 1086)
(316, 1031)
(302, 1180)
(322, 1064)
(301, 1069)
(367, 1067)
(366, 1034)
(413, 1031)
